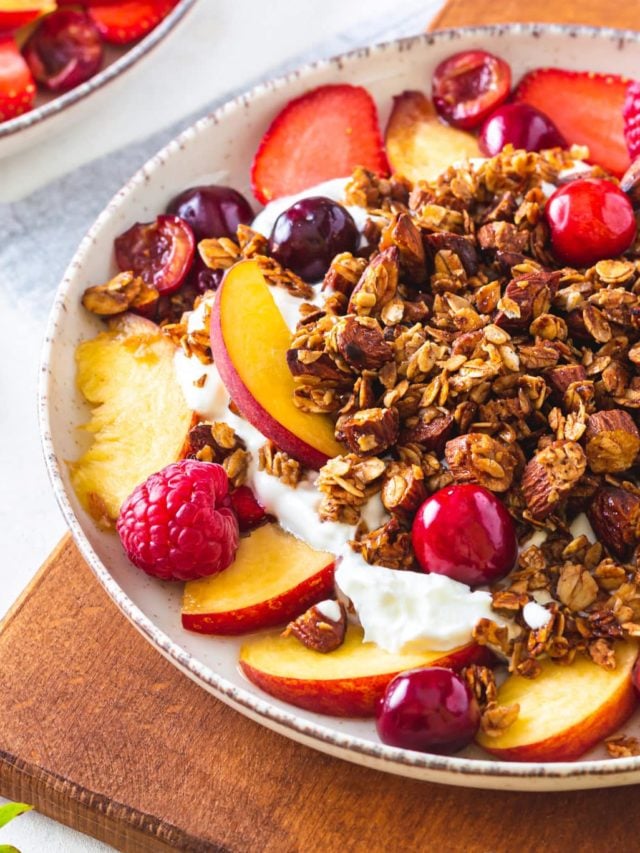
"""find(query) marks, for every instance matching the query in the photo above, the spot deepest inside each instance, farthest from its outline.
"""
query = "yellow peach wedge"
(249, 340)
(419, 146)
(347, 682)
(566, 710)
(273, 579)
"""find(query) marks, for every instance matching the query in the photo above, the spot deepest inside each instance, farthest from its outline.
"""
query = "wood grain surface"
(101, 733)
(597, 13)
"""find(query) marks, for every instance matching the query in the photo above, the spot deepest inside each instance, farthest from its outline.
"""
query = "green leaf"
(10, 811)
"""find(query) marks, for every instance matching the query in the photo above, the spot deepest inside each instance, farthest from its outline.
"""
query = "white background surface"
(221, 46)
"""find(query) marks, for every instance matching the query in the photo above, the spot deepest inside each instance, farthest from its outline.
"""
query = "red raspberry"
(250, 513)
(631, 116)
(178, 524)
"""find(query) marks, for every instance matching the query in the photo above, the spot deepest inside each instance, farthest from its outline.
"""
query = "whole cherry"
(212, 210)
(590, 219)
(309, 234)
(520, 125)
(430, 710)
(465, 533)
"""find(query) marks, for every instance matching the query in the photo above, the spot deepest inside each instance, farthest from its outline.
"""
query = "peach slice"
(273, 579)
(139, 418)
(419, 146)
(249, 340)
(347, 682)
(566, 710)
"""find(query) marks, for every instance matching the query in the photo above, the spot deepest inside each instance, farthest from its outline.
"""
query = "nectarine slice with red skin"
(274, 578)
(566, 710)
(419, 146)
(347, 682)
(249, 340)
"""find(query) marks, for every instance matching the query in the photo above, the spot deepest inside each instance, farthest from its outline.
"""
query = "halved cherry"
(161, 252)
(64, 50)
(468, 86)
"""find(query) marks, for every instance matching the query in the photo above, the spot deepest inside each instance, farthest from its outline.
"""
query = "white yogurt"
(535, 615)
(403, 611)
(289, 305)
(329, 609)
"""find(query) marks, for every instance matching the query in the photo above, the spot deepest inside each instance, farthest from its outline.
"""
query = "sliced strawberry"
(586, 108)
(631, 116)
(17, 89)
(124, 22)
(323, 134)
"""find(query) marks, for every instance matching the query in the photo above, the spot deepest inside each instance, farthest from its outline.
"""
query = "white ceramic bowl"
(52, 113)
(220, 148)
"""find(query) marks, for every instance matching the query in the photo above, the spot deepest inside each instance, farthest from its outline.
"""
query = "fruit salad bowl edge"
(219, 148)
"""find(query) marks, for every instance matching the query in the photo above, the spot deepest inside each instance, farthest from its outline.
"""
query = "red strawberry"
(631, 116)
(586, 108)
(129, 20)
(323, 134)
(17, 89)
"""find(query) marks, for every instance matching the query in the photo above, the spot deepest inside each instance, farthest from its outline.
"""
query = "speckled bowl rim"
(36, 116)
(450, 769)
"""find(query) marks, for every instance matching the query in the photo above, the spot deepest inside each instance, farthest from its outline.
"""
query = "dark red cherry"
(212, 211)
(590, 220)
(520, 125)
(465, 533)
(309, 234)
(468, 86)
(429, 710)
(203, 278)
(64, 50)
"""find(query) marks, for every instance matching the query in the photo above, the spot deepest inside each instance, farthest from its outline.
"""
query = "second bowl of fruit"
(54, 53)
(388, 421)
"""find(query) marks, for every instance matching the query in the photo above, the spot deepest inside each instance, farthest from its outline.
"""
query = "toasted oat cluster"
(457, 350)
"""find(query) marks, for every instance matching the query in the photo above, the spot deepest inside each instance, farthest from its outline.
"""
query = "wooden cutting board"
(100, 732)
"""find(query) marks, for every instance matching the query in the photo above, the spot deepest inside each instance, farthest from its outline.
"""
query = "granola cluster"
(454, 348)
(217, 442)
(592, 600)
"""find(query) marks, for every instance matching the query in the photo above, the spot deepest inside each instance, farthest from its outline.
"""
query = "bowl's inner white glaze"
(220, 149)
